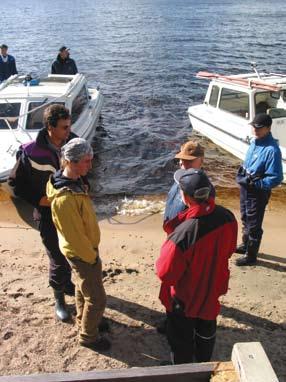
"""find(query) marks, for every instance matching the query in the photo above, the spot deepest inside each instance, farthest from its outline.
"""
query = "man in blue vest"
(7, 64)
(260, 172)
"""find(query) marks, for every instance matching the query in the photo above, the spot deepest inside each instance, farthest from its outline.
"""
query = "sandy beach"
(32, 341)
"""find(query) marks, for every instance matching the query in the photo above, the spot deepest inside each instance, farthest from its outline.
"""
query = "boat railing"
(9, 81)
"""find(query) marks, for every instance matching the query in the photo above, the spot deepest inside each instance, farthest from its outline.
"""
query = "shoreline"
(32, 341)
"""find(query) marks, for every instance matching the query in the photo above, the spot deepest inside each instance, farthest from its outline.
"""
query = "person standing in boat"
(36, 161)
(63, 63)
(7, 64)
(75, 219)
(260, 172)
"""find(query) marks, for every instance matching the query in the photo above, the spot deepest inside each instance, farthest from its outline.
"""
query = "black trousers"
(59, 270)
(190, 339)
(252, 208)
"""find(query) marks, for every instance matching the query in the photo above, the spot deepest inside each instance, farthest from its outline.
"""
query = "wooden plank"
(251, 363)
(225, 372)
(252, 83)
(175, 373)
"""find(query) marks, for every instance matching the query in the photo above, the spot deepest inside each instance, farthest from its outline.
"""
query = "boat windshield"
(9, 112)
(35, 118)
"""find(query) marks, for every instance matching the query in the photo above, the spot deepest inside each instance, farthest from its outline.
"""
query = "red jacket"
(193, 263)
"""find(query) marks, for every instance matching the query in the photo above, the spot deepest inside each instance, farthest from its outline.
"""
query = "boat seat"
(276, 112)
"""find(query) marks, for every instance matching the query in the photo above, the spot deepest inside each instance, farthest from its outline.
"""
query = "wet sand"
(32, 341)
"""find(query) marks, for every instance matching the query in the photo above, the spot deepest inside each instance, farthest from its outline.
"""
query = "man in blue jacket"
(7, 64)
(261, 171)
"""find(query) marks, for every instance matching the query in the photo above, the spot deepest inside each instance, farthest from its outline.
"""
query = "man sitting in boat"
(261, 171)
(7, 64)
(63, 63)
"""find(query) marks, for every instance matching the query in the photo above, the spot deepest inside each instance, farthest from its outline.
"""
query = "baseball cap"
(261, 120)
(190, 151)
(63, 48)
(194, 183)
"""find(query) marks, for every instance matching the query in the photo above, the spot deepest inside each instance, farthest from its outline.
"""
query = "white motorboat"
(23, 101)
(232, 102)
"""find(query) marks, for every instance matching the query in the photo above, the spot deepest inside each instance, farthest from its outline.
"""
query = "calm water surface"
(144, 54)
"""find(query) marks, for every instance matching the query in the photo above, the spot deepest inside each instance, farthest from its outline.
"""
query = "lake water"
(144, 54)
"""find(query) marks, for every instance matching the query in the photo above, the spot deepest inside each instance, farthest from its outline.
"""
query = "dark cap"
(63, 48)
(194, 183)
(4, 46)
(261, 120)
(190, 151)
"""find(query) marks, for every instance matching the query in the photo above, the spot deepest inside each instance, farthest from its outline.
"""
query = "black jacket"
(36, 160)
(67, 66)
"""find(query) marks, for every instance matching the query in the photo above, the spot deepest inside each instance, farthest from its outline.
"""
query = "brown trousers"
(90, 298)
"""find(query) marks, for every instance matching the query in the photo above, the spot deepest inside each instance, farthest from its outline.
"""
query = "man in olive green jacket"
(79, 235)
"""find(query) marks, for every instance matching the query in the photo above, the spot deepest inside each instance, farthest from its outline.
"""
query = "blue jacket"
(174, 203)
(264, 161)
(8, 68)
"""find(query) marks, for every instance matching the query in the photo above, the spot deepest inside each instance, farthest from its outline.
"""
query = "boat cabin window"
(79, 103)
(35, 118)
(10, 112)
(235, 102)
(214, 96)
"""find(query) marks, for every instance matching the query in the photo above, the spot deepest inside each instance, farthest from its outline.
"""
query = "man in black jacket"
(63, 63)
(36, 161)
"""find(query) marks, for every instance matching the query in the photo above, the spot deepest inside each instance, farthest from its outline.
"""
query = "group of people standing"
(62, 65)
(193, 263)
(201, 236)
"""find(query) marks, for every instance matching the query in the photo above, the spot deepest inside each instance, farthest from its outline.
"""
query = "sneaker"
(101, 344)
(246, 260)
(165, 363)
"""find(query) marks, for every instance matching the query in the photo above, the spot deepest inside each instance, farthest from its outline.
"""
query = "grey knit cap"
(75, 149)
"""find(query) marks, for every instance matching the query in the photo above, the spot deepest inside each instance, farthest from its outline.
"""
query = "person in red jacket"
(193, 268)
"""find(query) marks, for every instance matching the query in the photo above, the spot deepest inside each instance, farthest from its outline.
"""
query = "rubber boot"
(250, 257)
(69, 289)
(61, 310)
(242, 248)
